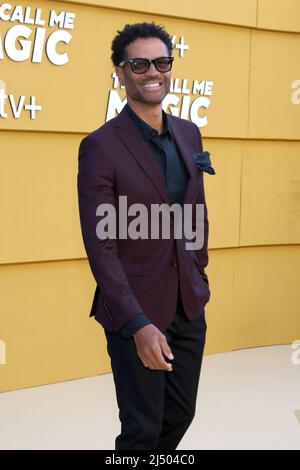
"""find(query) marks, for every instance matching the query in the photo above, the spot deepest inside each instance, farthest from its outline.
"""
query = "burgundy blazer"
(135, 276)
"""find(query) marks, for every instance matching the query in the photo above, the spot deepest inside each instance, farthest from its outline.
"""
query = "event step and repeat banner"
(236, 75)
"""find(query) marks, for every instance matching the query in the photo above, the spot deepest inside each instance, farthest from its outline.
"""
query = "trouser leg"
(140, 395)
(156, 407)
(187, 341)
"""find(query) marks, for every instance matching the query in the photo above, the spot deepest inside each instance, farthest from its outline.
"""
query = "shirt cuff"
(135, 324)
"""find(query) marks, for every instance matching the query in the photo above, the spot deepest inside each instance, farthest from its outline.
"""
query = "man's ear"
(120, 75)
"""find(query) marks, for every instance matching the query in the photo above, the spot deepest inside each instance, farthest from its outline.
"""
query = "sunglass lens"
(140, 66)
(163, 65)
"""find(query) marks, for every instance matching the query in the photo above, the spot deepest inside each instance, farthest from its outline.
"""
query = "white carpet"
(248, 399)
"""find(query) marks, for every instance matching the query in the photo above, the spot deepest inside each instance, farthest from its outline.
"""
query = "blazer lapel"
(133, 140)
(135, 143)
(184, 148)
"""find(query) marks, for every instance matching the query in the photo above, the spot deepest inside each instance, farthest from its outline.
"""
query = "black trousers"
(156, 407)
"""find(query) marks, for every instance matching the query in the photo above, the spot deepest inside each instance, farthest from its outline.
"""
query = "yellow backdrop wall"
(249, 51)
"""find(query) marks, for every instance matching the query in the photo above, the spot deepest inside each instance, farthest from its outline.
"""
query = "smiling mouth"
(152, 86)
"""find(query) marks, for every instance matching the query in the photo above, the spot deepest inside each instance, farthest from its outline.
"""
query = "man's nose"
(152, 69)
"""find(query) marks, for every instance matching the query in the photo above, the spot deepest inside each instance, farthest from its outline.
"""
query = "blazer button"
(174, 262)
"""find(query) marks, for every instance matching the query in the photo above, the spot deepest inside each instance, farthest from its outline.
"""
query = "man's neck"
(152, 115)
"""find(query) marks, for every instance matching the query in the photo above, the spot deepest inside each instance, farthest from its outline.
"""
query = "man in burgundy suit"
(151, 292)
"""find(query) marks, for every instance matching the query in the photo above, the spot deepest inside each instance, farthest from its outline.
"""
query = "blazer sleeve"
(96, 185)
(202, 253)
(134, 325)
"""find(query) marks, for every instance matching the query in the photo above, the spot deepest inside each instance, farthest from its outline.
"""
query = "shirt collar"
(147, 130)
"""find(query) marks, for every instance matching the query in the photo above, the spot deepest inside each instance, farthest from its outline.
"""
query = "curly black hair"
(131, 32)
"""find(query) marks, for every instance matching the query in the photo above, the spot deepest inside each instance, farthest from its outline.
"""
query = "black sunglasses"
(162, 64)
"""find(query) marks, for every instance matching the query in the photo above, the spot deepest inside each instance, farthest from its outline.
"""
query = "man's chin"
(152, 100)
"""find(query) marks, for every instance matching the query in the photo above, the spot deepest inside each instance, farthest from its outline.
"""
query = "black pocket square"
(203, 162)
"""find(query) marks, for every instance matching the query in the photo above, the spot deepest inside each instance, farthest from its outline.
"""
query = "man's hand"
(151, 347)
